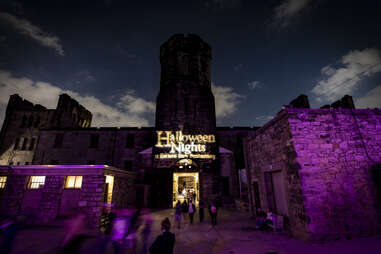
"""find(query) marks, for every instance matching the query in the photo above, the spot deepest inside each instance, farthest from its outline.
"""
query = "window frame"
(3, 182)
(32, 184)
(75, 182)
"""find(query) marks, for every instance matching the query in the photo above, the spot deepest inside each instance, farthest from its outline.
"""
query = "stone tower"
(185, 101)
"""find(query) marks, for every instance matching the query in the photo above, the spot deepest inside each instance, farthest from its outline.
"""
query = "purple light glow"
(58, 166)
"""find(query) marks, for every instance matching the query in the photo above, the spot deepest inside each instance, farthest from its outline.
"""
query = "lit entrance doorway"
(184, 186)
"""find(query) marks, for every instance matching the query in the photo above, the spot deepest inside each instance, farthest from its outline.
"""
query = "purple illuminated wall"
(336, 150)
(325, 158)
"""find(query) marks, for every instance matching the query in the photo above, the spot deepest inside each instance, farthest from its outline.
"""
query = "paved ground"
(234, 234)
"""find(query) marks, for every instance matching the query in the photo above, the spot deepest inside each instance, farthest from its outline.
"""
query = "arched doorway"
(186, 182)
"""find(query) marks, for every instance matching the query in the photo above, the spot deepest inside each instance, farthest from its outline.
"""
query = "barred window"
(36, 182)
(74, 182)
(3, 181)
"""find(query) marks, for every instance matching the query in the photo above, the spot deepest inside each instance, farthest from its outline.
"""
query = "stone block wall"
(335, 149)
(13, 194)
(124, 190)
(51, 196)
(271, 149)
(91, 197)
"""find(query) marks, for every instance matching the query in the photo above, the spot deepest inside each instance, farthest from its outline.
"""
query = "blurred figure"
(10, 228)
(213, 213)
(75, 234)
(184, 207)
(191, 211)
(201, 207)
(165, 242)
(178, 211)
(260, 219)
(145, 233)
(106, 222)
(124, 230)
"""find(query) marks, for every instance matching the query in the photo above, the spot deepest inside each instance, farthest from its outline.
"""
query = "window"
(36, 182)
(26, 163)
(24, 144)
(130, 140)
(3, 181)
(73, 182)
(91, 162)
(128, 165)
(94, 140)
(18, 163)
(17, 143)
(32, 142)
(58, 140)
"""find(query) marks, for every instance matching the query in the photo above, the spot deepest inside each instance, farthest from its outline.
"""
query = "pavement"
(235, 233)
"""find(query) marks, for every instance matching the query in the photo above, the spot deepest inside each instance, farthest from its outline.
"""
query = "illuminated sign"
(184, 146)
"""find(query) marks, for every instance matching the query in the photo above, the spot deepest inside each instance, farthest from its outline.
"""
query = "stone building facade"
(44, 192)
(23, 121)
(185, 104)
(319, 168)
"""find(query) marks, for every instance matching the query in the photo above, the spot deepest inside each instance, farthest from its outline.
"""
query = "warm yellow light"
(3, 180)
(73, 182)
(110, 182)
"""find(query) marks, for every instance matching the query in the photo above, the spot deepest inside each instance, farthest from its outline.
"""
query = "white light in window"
(36, 182)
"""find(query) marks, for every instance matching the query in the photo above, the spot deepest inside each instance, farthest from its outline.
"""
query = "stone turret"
(185, 100)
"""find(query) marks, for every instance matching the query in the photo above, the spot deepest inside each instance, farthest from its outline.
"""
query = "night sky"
(265, 53)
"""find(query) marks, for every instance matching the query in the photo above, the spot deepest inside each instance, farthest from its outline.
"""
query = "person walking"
(213, 213)
(178, 212)
(184, 209)
(75, 235)
(165, 242)
(191, 211)
(201, 207)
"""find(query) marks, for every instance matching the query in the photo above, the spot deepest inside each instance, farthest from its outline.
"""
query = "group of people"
(188, 194)
(120, 228)
(188, 208)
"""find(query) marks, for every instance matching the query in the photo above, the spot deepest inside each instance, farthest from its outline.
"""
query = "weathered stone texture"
(51, 196)
(271, 150)
(91, 199)
(335, 150)
(124, 190)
